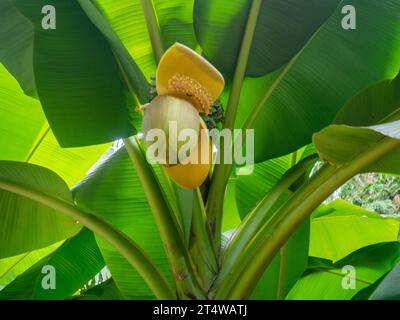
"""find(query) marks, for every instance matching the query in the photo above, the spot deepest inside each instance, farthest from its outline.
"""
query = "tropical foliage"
(79, 199)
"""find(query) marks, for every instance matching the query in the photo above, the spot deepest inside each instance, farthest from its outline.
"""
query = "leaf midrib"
(253, 115)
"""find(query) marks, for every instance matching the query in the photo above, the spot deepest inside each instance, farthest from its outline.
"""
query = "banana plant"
(83, 83)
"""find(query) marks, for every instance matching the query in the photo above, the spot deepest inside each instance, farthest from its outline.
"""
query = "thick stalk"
(283, 250)
(260, 252)
(222, 170)
(124, 245)
(201, 245)
(260, 214)
(233, 274)
(153, 28)
(170, 231)
(282, 272)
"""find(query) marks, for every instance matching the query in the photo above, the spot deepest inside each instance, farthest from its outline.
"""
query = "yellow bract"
(163, 111)
(182, 72)
(191, 175)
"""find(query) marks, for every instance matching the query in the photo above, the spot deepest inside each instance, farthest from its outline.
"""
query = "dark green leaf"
(16, 45)
(77, 77)
(389, 288)
(283, 27)
(105, 291)
(335, 65)
(131, 71)
(26, 136)
(369, 263)
(372, 105)
(75, 263)
(26, 225)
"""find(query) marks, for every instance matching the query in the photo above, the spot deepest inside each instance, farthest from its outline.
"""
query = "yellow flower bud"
(170, 115)
(192, 175)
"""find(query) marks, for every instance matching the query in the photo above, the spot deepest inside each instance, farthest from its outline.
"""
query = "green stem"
(201, 244)
(10, 267)
(153, 28)
(170, 232)
(260, 252)
(339, 274)
(124, 245)
(282, 272)
(293, 159)
(222, 170)
(259, 215)
(283, 250)
(42, 135)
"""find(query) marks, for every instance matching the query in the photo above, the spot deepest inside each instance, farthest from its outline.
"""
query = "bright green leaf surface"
(339, 144)
(11, 267)
(25, 135)
(75, 263)
(348, 228)
(26, 225)
(16, 45)
(370, 264)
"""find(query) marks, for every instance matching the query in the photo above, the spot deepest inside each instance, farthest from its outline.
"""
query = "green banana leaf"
(286, 268)
(251, 188)
(19, 128)
(388, 289)
(75, 263)
(231, 217)
(26, 225)
(16, 51)
(128, 66)
(114, 192)
(127, 20)
(289, 264)
(77, 77)
(105, 291)
(338, 144)
(25, 135)
(283, 28)
(372, 105)
(12, 267)
(345, 228)
(342, 235)
(304, 96)
(326, 283)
